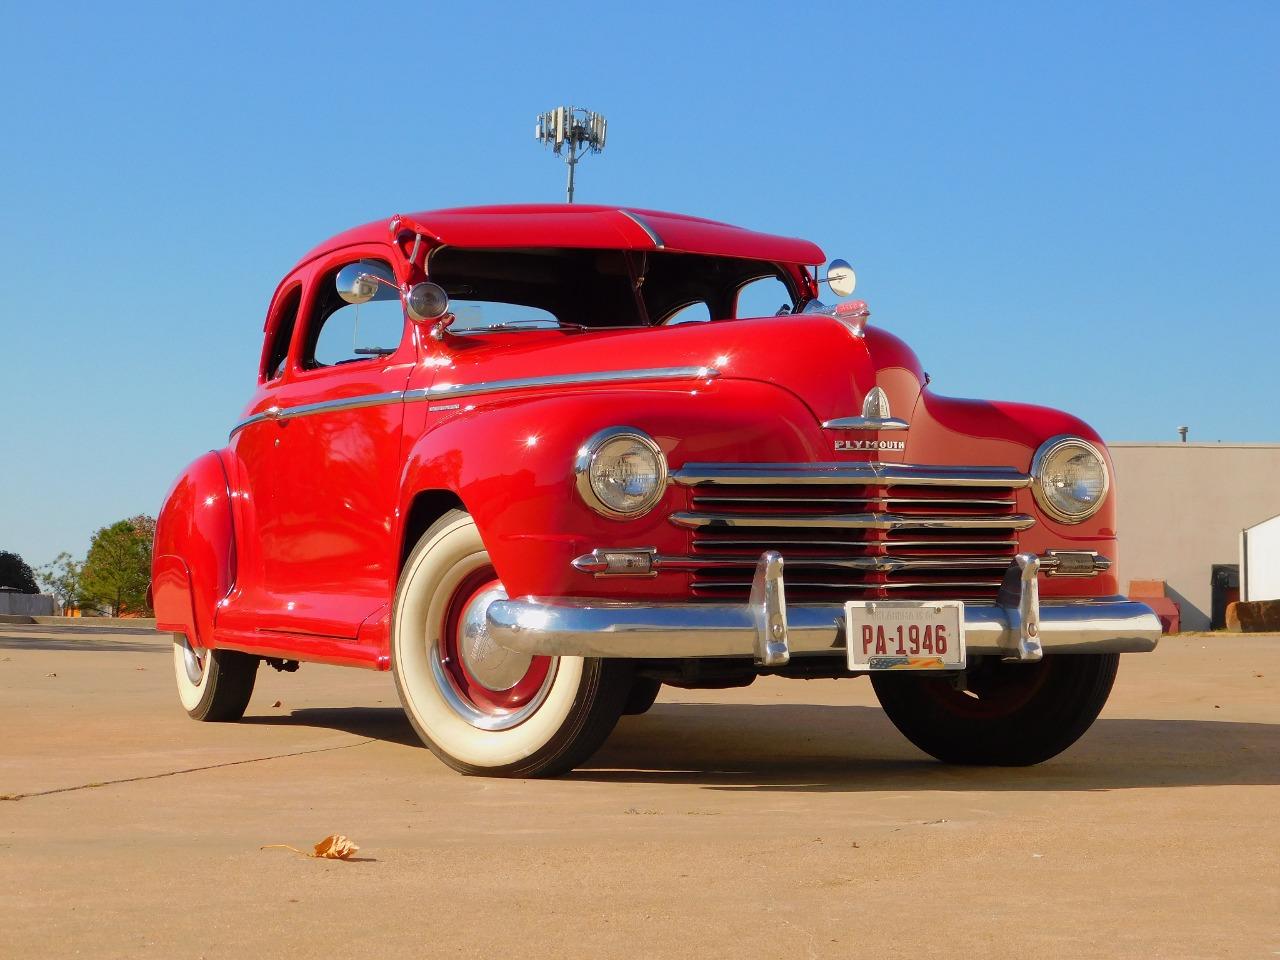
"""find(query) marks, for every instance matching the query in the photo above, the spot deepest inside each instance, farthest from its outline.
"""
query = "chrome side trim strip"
(880, 474)
(643, 224)
(332, 406)
(852, 521)
(865, 423)
(474, 389)
(323, 406)
(435, 391)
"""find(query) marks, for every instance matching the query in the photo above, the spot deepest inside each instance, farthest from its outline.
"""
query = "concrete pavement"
(788, 819)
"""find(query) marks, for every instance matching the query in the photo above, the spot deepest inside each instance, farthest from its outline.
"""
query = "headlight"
(621, 473)
(1069, 479)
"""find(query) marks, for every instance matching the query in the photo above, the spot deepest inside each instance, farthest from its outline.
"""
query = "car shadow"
(819, 748)
(83, 644)
(388, 724)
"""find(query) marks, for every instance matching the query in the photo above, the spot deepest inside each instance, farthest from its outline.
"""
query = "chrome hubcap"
(488, 686)
(493, 667)
(193, 661)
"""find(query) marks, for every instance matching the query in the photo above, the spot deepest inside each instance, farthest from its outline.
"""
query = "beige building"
(1181, 509)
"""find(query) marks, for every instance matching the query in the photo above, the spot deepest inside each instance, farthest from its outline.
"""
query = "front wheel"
(998, 713)
(483, 709)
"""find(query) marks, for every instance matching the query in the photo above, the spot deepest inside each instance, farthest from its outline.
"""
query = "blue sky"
(1071, 204)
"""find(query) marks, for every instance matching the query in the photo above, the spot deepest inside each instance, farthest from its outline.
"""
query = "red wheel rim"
(993, 690)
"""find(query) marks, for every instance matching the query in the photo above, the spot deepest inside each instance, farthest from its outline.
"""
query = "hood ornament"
(876, 416)
(876, 405)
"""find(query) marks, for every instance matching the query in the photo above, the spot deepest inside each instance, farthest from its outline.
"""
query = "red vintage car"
(540, 460)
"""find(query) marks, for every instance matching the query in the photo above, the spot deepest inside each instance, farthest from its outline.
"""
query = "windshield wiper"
(516, 325)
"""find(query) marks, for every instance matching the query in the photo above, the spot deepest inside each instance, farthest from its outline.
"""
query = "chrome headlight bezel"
(588, 456)
(1048, 449)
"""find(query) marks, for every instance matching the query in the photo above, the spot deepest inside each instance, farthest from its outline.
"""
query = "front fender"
(953, 431)
(511, 464)
(193, 564)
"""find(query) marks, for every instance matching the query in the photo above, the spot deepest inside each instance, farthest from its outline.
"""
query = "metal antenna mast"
(572, 132)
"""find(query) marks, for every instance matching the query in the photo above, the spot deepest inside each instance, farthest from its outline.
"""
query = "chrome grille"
(853, 531)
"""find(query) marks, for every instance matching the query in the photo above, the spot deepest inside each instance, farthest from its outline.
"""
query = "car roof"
(581, 225)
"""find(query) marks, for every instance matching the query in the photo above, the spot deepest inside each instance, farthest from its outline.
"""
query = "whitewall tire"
(480, 708)
(213, 685)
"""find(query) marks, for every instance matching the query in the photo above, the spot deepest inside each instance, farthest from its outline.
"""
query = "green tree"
(61, 577)
(15, 573)
(118, 568)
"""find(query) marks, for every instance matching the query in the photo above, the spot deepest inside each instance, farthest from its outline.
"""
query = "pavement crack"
(175, 773)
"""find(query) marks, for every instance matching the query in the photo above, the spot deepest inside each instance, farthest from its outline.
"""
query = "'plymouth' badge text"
(871, 445)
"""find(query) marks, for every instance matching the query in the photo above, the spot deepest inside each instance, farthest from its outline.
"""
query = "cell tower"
(573, 132)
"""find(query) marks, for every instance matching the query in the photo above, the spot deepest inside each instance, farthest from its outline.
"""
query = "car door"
(319, 470)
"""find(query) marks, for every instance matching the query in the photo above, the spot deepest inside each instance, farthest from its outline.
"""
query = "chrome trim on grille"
(753, 542)
(799, 580)
(701, 498)
(878, 474)
(474, 389)
(852, 530)
(852, 521)
(868, 564)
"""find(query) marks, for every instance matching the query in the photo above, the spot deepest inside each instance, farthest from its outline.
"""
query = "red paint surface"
(288, 542)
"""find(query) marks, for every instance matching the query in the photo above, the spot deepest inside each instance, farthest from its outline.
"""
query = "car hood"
(817, 358)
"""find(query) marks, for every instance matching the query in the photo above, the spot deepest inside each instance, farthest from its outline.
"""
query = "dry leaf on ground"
(336, 847)
(333, 847)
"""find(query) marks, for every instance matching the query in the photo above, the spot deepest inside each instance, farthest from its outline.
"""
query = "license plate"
(905, 634)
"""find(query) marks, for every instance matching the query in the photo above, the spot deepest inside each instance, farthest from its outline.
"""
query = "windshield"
(548, 288)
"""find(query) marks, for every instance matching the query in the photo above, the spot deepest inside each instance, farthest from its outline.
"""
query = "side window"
(696, 312)
(764, 297)
(341, 332)
(286, 317)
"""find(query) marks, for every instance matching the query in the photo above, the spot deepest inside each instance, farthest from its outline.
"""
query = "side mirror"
(362, 282)
(841, 278)
(426, 301)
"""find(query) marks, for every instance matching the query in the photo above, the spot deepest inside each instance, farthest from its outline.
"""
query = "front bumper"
(1017, 626)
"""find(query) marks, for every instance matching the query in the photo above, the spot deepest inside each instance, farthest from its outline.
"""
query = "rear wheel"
(213, 685)
(483, 709)
(998, 713)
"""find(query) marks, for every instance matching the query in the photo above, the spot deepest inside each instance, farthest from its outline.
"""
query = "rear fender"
(193, 565)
